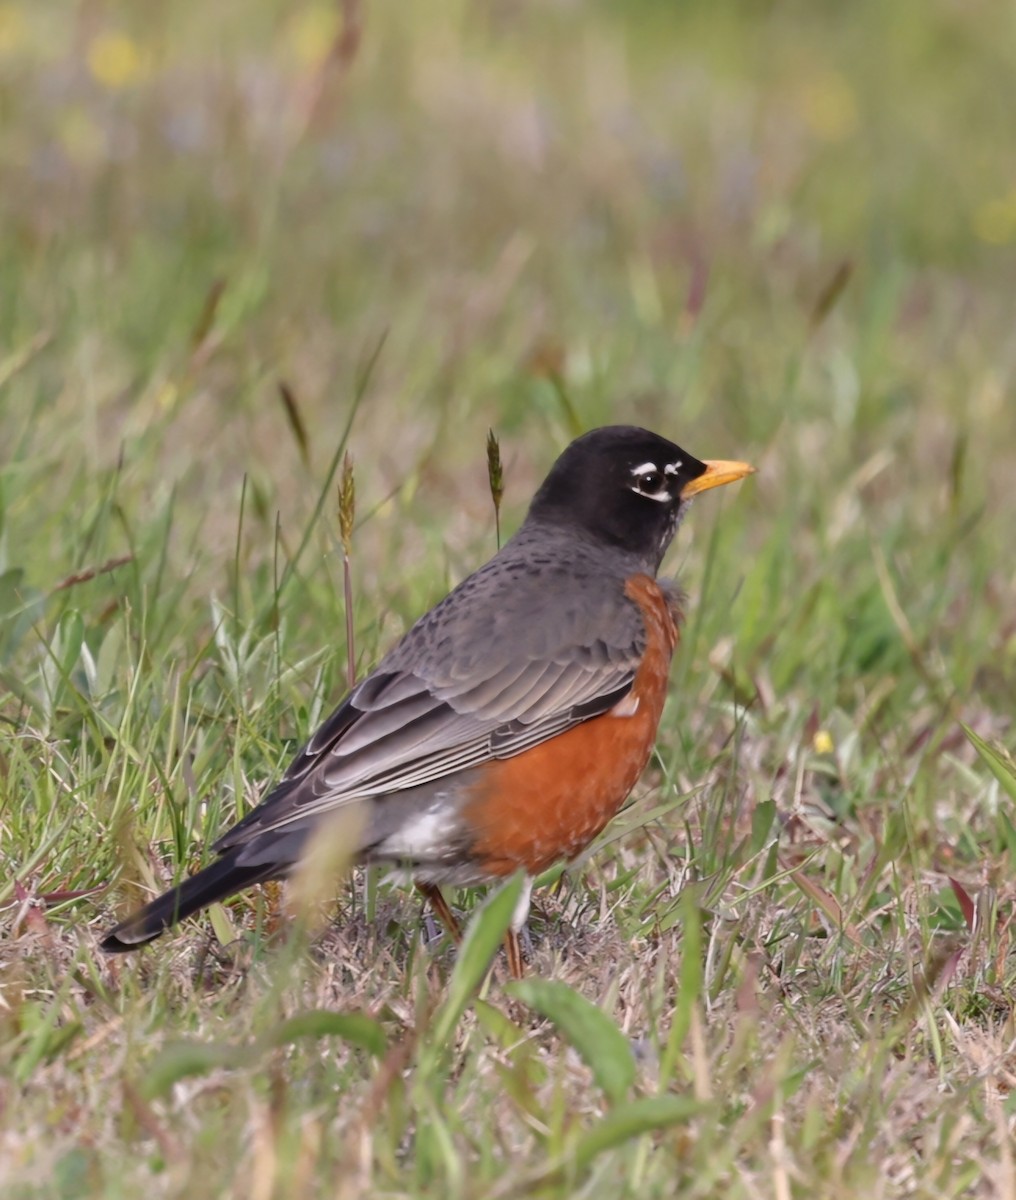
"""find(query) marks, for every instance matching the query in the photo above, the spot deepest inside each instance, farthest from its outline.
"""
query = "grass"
(777, 232)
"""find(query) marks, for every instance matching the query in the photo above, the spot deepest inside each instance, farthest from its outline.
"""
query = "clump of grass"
(347, 515)
(495, 478)
(787, 968)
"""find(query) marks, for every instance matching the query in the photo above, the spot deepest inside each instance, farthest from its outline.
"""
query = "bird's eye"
(651, 483)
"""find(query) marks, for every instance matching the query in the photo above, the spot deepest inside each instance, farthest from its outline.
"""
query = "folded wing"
(454, 694)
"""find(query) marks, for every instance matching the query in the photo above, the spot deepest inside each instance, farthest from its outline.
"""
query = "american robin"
(511, 722)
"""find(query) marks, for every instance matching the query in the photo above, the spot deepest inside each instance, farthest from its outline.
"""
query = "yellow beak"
(716, 473)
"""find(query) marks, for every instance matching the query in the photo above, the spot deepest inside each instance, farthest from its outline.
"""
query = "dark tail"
(218, 880)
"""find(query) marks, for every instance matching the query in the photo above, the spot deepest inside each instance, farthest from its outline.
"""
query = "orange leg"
(512, 944)
(512, 948)
(432, 894)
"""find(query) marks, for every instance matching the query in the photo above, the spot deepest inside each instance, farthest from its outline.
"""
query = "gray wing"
(500, 665)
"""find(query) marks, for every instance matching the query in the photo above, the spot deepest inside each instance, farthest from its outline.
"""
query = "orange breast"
(550, 802)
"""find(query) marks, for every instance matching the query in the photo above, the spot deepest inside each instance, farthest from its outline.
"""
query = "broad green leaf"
(108, 659)
(70, 636)
(181, 1060)
(1008, 835)
(762, 818)
(222, 924)
(1000, 766)
(355, 1028)
(499, 1026)
(21, 608)
(646, 1115)
(11, 589)
(484, 934)
(64, 651)
(603, 1047)
(522, 1070)
(184, 1059)
(88, 668)
(519, 1045)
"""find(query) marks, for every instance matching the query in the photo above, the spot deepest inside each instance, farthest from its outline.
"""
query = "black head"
(627, 487)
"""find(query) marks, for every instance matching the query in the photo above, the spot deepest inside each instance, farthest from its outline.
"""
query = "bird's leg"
(516, 963)
(432, 894)
(512, 944)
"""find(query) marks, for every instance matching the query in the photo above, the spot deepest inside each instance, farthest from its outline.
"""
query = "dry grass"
(783, 235)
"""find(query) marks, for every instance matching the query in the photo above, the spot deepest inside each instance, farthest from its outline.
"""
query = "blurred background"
(778, 231)
(241, 238)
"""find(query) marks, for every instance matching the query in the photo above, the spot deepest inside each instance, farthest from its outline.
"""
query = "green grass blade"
(998, 764)
(183, 1060)
(690, 983)
(649, 1114)
(602, 1046)
(355, 1028)
(483, 937)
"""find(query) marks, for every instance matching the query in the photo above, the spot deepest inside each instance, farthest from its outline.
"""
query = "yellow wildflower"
(116, 60)
(822, 742)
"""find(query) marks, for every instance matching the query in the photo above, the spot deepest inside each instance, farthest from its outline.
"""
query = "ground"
(239, 241)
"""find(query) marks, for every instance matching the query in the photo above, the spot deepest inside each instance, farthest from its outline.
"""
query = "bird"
(510, 723)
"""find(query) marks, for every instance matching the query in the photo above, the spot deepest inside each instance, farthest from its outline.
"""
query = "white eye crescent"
(651, 482)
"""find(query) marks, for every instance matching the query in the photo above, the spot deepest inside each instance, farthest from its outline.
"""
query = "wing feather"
(457, 692)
